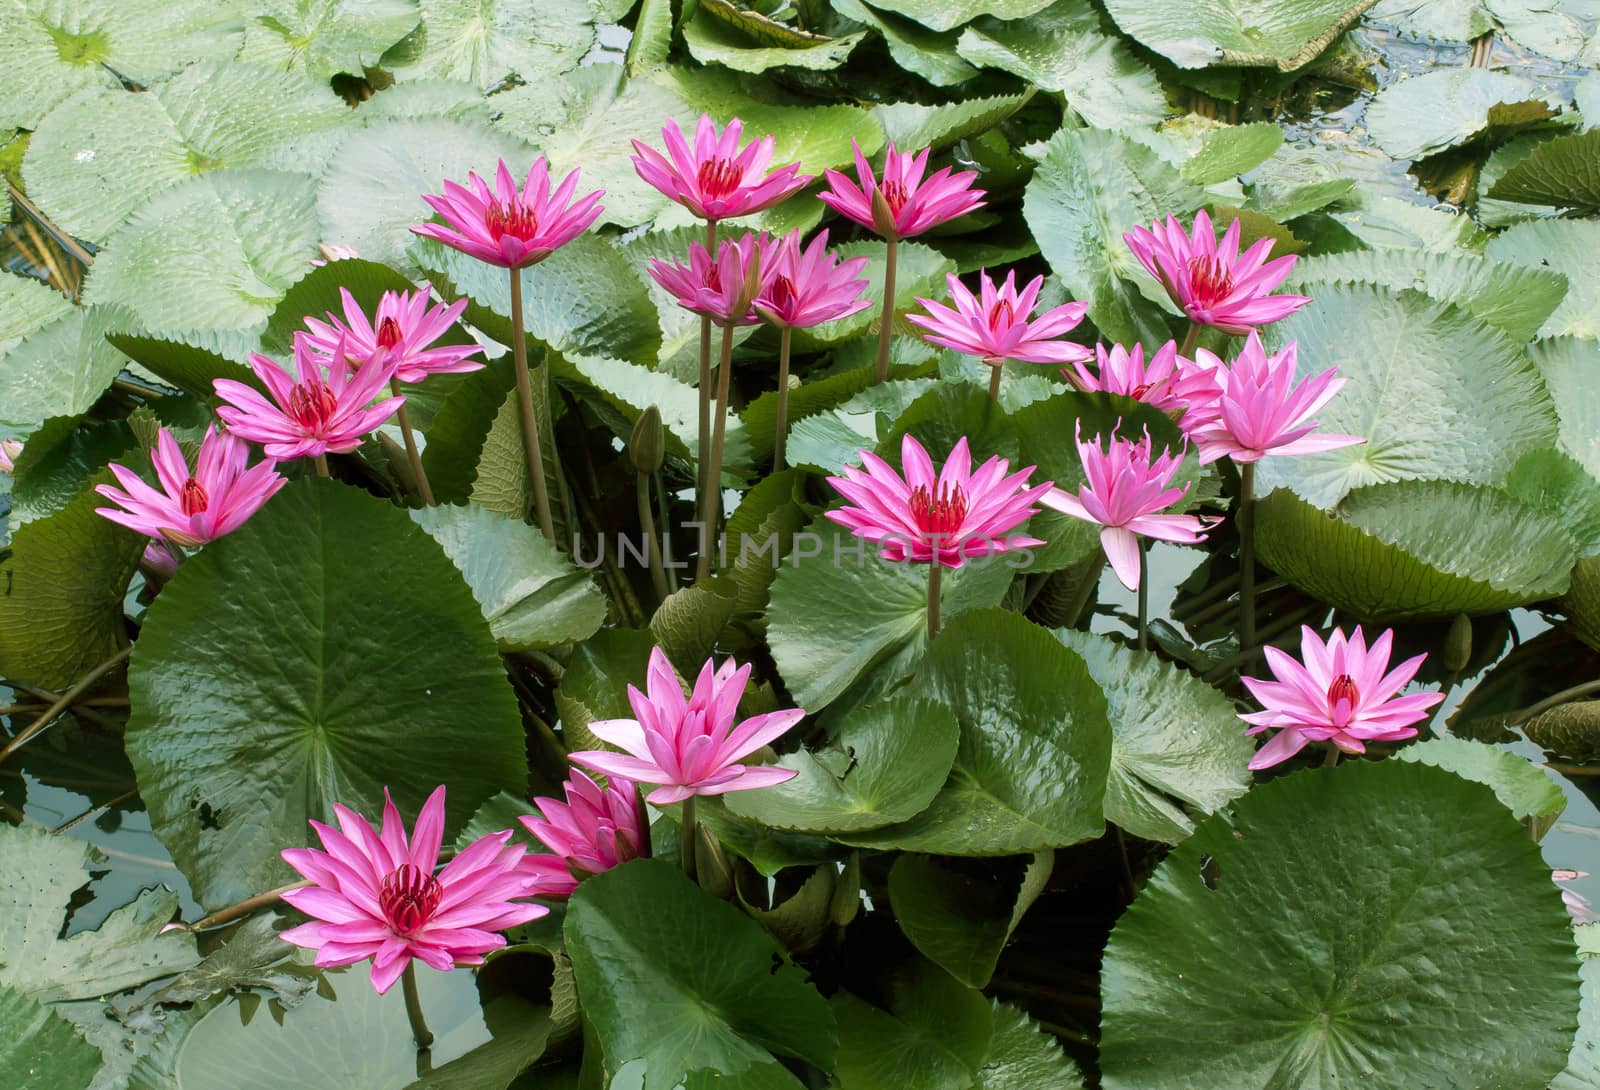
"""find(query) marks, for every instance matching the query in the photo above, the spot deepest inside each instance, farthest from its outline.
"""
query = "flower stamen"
(408, 898)
(194, 499)
(939, 518)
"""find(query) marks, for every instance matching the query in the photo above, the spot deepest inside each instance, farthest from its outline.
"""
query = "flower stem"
(530, 421)
(321, 462)
(994, 384)
(712, 507)
(1331, 758)
(702, 451)
(419, 1026)
(688, 833)
(647, 526)
(886, 325)
(935, 578)
(781, 434)
(1246, 520)
(1189, 340)
(423, 488)
(1144, 594)
(65, 701)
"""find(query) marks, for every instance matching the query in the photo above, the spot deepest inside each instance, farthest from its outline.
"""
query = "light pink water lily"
(716, 179)
(721, 289)
(1212, 282)
(375, 894)
(597, 828)
(911, 202)
(402, 328)
(1343, 693)
(325, 407)
(1260, 410)
(689, 747)
(995, 324)
(333, 251)
(192, 508)
(505, 227)
(1166, 380)
(1124, 493)
(9, 449)
(801, 288)
(946, 517)
(1578, 906)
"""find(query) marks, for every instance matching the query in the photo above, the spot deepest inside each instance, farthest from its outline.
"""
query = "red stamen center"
(939, 518)
(1138, 392)
(718, 177)
(389, 333)
(194, 499)
(515, 220)
(408, 898)
(1210, 280)
(782, 293)
(1002, 315)
(1343, 688)
(311, 404)
(894, 195)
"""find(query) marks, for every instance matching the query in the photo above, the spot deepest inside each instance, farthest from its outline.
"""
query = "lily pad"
(62, 369)
(927, 53)
(1418, 374)
(959, 913)
(26, 306)
(1429, 113)
(1416, 549)
(532, 595)
(485, 41)
(1233, 150)
(1533, 797)
(1367, 929)
(1178, 750)
(1270, 33)
(1562, 173)
(40, 1048)
(933, 1035)
(950, 14)
(322, 38)
(912, 125)
(1024, 1057)
(261, 694)
(636, 935)
(1571, 248)
(713, 41)
(1035, 750)
(1571, 370)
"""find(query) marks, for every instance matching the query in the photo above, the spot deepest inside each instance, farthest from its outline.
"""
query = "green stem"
(713, 504)
(65, 701)
(781, 434)
(419, 1025)
(525, 410)
(886, 326)
(704, 448)
(1331, 758)
(688, 833)
(935, 578)
(994, 384)
(1189, 339)
(647, 526)
(1246, 520)
(1144, 594)
(423, 488)
(321, 462)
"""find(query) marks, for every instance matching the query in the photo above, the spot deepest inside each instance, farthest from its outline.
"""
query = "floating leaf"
(915, 48)
(912, 125)
(1562, 173)
(1024, 1057)
(959, 913)
(40, 1048)
(62, 369)
(1533, 797)
(27, 306)
(1416, 549)
(265, 687)
(1197, 33)
(1424, 114)
(325, 37)
(1233, 150)
(712, 41)
(1570, 368)
(485, 41)
(1566, 247)
(950, 14)
(1367, 928)
(933, 1036)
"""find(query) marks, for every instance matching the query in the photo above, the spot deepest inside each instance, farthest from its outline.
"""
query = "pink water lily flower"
(1165, 380)
(801, 288)
(192, 508)
(375, 894)
(1344, 693)
(597, 828)
(994, 325)
(1212, 282)
(325, 407)
(716, 179)
(1260, 410)
(722, 289)
(948, 517)
(9, 449)
(402, 328)
(1124, 493)
(689, 747)
(512, 229)
(911, 203)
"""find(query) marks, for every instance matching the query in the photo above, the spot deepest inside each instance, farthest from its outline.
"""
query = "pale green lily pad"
(1416, 549)
(950, 14)
(911, 125)
(1428, 113)
(27, 306)
(62, 369)
(712, 41)
(1533, 797)
(40, 1048)
(485, 41)
(1233, 150)
(1285, 34)
(1571, 248)
(1561, 173)
(325, 37)
(1571, 370)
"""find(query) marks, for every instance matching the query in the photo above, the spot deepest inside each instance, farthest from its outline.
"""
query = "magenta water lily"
(716, 178)
(401, 332)
(597, 828)
(997, 324)
(510, 227)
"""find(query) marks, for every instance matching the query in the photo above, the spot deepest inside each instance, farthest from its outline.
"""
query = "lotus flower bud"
(647, 444)
(1458, 644)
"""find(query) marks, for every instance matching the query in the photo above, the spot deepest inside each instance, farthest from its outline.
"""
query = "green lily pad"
(713, 41)
(1533, 797)
(1571, 368)
(1425, 114)
(43, 873)
(1090, 188)
(1035, 751)
(485, 41)
(460, 427)
(1064, 48)
(1367, 928)
(1571, 248)
(927, 53)
(62, 369)
(1583, 1065)
(59, 458)
(214, 253)
(186, 366)
(1562, 173)
(1024, 1057)
(959, 913)
(316, 294)
(265, 687)
(61, 613)
(102, 154)
(1269, 33)
(883, 764)
(40, 1048)
(934, 1034)
(1178, 749)
(950, 14)
(1233, 150)
(532, 595)
(1555, 485)
(322, 39)
(911, 125)
(27, 306)
(636, 935)
(1416, 549)
(1418, 374)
